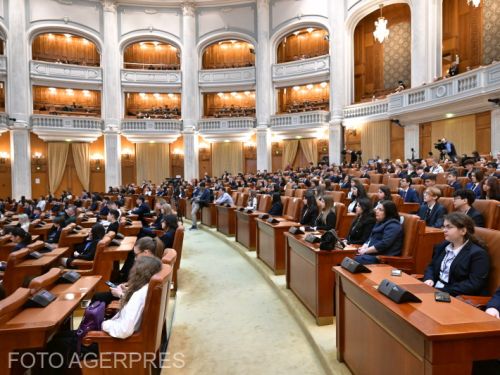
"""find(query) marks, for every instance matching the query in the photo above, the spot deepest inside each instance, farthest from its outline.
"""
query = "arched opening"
(470, 35)
(226, 54)
(310, 97)
(302, 44)
(229, 104)
(66, 102)
(65, 49)
(152, 55)
(378, 67)
(150, 105)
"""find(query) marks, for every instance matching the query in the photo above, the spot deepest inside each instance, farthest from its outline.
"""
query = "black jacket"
(495, 301)
(331, 220)
(168, 238)
(276, 209)
(435, 218)
(360, 230)
(309, 215)
(113, 227)
(468, 271)
(140, 211)
(476, 216)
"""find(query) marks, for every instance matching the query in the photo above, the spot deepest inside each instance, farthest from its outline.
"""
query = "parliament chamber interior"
(250, 187)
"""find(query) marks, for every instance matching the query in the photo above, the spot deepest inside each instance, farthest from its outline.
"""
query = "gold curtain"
(461, 131)
(152, 162)
(57, 156)
(310, 150)
(376, 140)
(227, 156)
(290, 148)
(81, 156)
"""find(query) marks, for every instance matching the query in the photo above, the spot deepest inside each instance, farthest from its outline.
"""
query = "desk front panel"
(246, 229)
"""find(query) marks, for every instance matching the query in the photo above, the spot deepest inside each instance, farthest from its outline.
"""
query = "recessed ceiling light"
(449, 115)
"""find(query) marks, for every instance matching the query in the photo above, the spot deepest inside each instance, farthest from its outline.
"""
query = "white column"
(111, 95)
(190, 92)
(422, 67)
(19, 100)
(435, 37)
(336, 15)
(264, 87)
(412, 140)
(20, 160)
(495, 131)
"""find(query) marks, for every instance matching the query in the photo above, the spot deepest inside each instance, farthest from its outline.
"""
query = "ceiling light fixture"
(381, 31)
(475, 3)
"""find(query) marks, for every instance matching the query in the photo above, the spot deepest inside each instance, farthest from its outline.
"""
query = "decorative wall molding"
(3, 65)
(317, 67)
(308, 122)
(64, 128)
(171, 78)
(227, 129)
(142, 131)
(369, 109)
(66, 72)
(226, 77)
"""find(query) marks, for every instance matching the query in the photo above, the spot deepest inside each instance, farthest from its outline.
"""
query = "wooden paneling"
(40, 176)
(152, 56)
(322, 149)
(5, 170)
(66, 101)
(204, 157)
(63, 49)
(483, 133)
(311, 97)
(303, 44)
(250, 155)
(228, 54)
(369, 54)
(176, 150)
(128, 161)
(153, 104)
(277, 155)
(352, 139)
(425, 140)
(226, 104)
(97, 177)
(397, 142)
(462, 34)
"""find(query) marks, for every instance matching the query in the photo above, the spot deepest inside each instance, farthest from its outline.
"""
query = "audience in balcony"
(233, 111)
(308, 105)
(156, 113)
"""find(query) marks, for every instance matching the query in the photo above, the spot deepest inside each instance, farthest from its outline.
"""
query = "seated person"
(386, 237)
(357, 191)
(169, 225)
(276, 205)
(55, 233)
(309, 210)
(452, 180)
(327, 217)
(69, 215)
(225, 198)
(252, 201)
(36, 214)
(476, 183)
(112, 217)
(406, 192)
(125, 322)
(431, 211)
(429, 180)
(20, 237)
(86, 250)
(24, 222)
(493, 306)
(491, 188)
(462, 202)
(460, 264)
(362, 225)
(384, 194)
(141, 210)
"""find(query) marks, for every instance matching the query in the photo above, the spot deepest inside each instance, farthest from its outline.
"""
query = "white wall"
(240, 18)
(132, 19)
(284, 11)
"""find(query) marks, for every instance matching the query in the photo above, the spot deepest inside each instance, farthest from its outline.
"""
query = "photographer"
(447, 147)
(200, 200)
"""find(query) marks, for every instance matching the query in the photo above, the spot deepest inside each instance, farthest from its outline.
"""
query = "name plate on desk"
(35, 255)
(272, 220)
(295, 230)
(119, 236)
(263, 216)
(115, 243)
(241, 209)
(396, 293)
(249, 211)
(311, 238)
(41, 299)
(354, 267)
(69, 277)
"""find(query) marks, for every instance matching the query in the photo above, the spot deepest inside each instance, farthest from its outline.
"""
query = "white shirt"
(437, 169)
(252, 204)
(224, 198)
(448, 259)
(41, 205)
(128, 319)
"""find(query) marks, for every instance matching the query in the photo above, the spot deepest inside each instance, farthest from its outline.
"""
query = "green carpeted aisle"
(228, 320)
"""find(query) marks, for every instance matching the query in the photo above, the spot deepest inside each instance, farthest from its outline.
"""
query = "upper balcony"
(43, 72)
(144, 130)
(151, 78)
(3, 65)
(228, 128)
(230, 78)
(301, 71)
(308, 122)
(66, 128)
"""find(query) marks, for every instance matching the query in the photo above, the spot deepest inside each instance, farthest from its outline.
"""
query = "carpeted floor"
(228, 320)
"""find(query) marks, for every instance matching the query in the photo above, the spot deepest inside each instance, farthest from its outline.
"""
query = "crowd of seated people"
(146, 66)
(66, 110)
(66, 60)
(229, 65)
(234, 111)
(156, 113)
(308, 105)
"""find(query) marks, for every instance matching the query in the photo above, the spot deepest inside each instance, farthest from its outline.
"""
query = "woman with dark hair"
(86, 251)
(276, 205)
(386, 237)
(327, 217)
(362, 225)
(169, 225)
(357, 191)
(309, 210)
(20, 237)
(476, 182)
(460, 264)
(491, 188)
(384, 193)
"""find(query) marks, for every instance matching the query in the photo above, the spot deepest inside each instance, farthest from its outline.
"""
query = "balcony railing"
(67, 72)
(153, 126)
(378, 107)
(3, 64)
(133, 77)
(64, 122)
(4, 120)
(226, 124)
(316, 67)
(301, 119)
(226, 77)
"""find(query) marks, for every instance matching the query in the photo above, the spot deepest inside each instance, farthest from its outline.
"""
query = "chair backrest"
(398, 200)
(411, 226)
(373, 188)
(289, 192)
(393, 184)
(177, 245)
(293, 210)
(44, 281)
(492, 238)
(65, 232)
(441, 178)
(447, 202)
(264, 203)
(338, 196)
(10, 281)
(169, 257)
(419, 189)
(284, 202)
(242, 199)
(488, 209)
(299, 193)
(36, 246)
(446, 190)
(10, 306)
(463, 180)
(340, 210)
(234, 195)
(375, 178)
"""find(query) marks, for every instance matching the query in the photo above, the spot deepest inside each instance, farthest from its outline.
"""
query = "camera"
(439, 145)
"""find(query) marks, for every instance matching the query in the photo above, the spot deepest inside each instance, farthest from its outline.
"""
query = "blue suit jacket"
(477, 190)
(476, 216)
(456, 185)
(411, 196)
(387, 237)
(436, 218)
(495, 301)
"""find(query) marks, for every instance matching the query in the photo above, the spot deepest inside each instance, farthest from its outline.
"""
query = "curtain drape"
(310, 150)
(376, 140)
(227, 156)
(290, 148)
(152, 162)
(57, 156)
(81, 156)
(461, 131)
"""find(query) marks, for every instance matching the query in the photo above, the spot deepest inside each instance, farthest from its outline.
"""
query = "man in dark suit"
(431, 211)
(141, 210)
(406, 192)
(452, 180)
(462, 201)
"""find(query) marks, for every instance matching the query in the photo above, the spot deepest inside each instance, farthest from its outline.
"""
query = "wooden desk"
(32, 328)
(309, 275)
(209, 215)
(226, 220)
(374, 333)
(8, 247)
(42, 231)
(271, 243)
(89, 223)
(131, 230)
(246, 229)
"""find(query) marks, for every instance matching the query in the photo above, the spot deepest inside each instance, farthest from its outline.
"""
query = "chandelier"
(476, 3)
(381, 31)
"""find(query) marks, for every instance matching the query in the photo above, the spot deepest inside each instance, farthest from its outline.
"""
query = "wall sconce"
(178, 153)
(4, 157)
(38, 162)
(351, 131)
(250, 146)
(203, 146)
(127, 154)
(96, 163)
